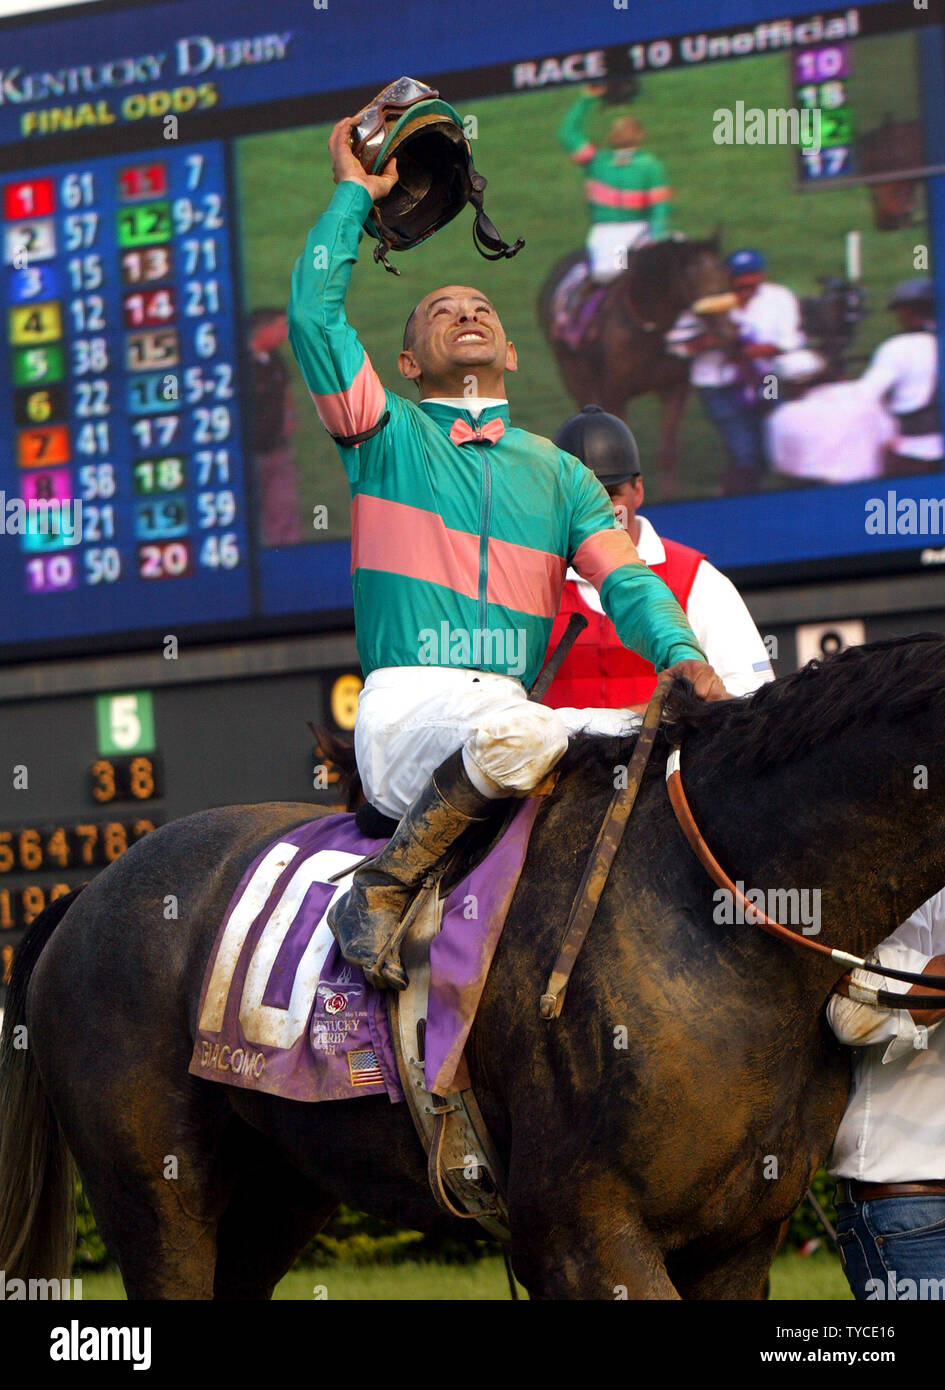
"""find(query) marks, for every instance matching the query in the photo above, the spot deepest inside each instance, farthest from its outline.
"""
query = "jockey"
(462, 527)
(599, 670)
(627, 194)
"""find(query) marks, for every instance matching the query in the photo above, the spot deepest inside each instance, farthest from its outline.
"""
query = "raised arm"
(347, 392)
(572, 133)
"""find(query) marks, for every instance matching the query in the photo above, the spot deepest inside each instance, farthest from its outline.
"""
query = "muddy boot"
(367, 921)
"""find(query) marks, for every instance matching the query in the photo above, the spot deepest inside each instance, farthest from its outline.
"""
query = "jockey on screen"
(627, 193)
(462, 528)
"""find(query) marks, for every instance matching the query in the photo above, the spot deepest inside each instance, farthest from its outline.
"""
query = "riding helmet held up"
(436, 177)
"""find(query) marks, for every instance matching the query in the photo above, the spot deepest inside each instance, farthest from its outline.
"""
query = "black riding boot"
(366, 921)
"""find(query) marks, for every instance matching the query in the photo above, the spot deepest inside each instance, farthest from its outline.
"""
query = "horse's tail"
(37, 1175)
(339, 749)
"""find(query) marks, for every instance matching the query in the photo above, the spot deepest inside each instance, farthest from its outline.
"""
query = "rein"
(849, 988)
(600, 861)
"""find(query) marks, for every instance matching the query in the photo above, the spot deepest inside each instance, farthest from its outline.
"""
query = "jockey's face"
(455, 341)
(626, 134)
(746, 286)
(627, 497)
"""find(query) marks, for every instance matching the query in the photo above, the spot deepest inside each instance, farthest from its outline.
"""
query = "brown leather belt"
(874, 1191)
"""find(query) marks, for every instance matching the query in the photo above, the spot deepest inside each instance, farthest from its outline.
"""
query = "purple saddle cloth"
(281, 1011)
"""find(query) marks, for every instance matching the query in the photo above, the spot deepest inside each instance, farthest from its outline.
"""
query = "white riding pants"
(411, 718)
(608, 245)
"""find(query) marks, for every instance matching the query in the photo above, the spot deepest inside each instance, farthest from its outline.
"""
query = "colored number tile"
(161, 518)
(46, 534)
(54, 484)
(39, 405)
(146, 394)
(829, 163)
(35, 323)
(51, 574)
(157, 475)
(32, 365)
(159, 348)
(33, 283)
(837, 127)
(167, 560)
(143, 265)
(142, 181)
(144, 308)
(24, 243)
(28, 198)
(146, 223)
(822, 64)
(39, 448)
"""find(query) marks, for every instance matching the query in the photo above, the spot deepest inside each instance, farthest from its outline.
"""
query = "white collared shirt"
(893, 1129)
(903, 373)
(723, 626)
(836, 433)
(474, 404)
(772, 315)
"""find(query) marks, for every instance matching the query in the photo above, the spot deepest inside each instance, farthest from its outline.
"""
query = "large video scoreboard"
(162, 469)
(122, 360)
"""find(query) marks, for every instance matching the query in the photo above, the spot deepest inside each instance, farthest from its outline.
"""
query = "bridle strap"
(597, 868)
(759, 918)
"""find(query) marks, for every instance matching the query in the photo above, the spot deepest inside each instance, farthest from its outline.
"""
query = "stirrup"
(389, 954)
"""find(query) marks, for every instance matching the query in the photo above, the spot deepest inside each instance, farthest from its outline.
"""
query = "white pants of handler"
(609, 245)
(411, 718)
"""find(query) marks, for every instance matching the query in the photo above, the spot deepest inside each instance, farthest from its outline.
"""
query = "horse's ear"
(715, 237)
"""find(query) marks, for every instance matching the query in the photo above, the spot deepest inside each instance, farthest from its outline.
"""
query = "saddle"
(575, 305)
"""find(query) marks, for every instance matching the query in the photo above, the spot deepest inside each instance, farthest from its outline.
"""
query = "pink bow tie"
(489, 433)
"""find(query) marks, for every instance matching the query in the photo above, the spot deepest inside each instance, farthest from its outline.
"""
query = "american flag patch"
(363, 1067)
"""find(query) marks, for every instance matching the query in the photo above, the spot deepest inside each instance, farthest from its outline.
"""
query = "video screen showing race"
(761, 311)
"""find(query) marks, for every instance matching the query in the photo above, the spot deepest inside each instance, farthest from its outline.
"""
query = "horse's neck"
(656, 302)
(846, 824)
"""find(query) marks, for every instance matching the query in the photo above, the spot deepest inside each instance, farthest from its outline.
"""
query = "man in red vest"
(600, 671)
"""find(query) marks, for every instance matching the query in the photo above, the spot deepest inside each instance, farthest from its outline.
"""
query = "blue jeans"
(740, 425)
(893, 1248)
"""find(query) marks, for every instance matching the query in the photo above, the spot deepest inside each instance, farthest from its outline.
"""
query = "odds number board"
(42, 859)
(821, 76)
(119, 345)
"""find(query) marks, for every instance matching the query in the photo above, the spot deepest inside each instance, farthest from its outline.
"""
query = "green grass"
(819, 1277)
(746, 191)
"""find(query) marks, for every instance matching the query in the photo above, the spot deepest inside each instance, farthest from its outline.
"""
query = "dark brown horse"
(891, 147)
(657, 1135)
(626, 356)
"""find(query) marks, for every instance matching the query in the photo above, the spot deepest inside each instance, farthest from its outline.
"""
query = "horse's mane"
(652, 266)
(788, 717)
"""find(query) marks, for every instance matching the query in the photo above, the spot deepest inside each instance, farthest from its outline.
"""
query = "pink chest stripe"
(410, 541)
